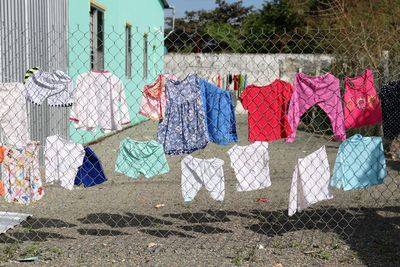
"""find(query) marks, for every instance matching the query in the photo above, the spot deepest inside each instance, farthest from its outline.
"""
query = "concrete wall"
(261, 69)
(145, 17)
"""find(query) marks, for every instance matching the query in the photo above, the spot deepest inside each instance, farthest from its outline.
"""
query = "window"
(145, 56)
(128, 52)
(96, 38)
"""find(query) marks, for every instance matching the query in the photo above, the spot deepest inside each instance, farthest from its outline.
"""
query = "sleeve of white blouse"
(125, 118)
(74, 113)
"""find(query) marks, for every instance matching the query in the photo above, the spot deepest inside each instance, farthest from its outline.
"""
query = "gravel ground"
(114, 223)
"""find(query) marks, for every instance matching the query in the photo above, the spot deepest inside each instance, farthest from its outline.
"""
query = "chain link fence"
(206, 139)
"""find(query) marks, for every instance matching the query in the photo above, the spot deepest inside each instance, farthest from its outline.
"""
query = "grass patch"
(56, 250)
(31, 251)
(324, 255)
(237, 261)
(9, 252)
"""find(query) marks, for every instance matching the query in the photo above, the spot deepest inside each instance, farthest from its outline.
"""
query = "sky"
(187, 5)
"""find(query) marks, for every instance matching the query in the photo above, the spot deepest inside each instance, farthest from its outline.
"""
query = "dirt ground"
(114, 223)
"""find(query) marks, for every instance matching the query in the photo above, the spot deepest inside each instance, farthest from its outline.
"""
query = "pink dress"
(362, 105)
(154, 98)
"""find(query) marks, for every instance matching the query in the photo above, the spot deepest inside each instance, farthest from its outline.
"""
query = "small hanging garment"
(323, 91)
(197, 173)
(310, 181)
(236, 81)
(13, 114)
(100, 102)
(251, 166)
(154, 99)
(360, 163)
(138, 157)
(219, 114)
(21, 173)
(184, 129)
(214, 79)
(91, 171)
(390, 98)
(241, 85)
(362, 105)
(267, 106)
(56, 87)
(2, 189)
(62, 160)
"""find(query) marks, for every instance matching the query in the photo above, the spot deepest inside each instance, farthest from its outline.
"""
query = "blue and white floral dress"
(183, 129)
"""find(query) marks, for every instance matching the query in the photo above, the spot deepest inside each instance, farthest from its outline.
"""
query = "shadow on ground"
(127, 220)
(33, 236)
(100, 232)
(29, 231)
(395, 165)
(373, 233)
(37, 223)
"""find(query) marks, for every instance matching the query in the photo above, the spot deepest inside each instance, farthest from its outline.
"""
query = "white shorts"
(251, 166)
(197, 173)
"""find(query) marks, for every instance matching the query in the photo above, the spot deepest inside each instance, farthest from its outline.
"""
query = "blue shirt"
(219, 114)
(360, 163)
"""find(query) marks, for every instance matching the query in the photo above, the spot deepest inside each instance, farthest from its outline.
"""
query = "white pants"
(251, 166)
(13, 116)
(197, 173)
(62, 160)
(310, 182)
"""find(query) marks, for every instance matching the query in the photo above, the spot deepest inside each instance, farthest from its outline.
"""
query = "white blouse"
(99, 102)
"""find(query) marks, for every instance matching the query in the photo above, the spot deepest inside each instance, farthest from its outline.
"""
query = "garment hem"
(184, 151)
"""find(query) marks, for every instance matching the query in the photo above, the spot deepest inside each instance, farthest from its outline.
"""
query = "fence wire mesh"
(205, 139)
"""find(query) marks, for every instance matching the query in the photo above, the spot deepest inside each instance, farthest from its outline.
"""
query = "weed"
(324, 255)
(31, 250)
(10, 251)
(295, 245)
(237, 261)
(56, 250)
(26, 229)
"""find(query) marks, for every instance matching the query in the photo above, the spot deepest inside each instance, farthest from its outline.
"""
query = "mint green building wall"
(146, 17)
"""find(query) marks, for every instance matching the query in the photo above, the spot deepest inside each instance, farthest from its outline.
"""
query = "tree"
(214, 30)
(293, 26)
(270, 28)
